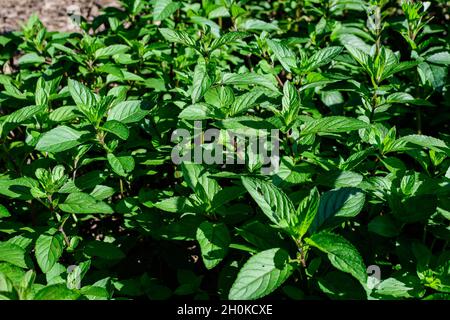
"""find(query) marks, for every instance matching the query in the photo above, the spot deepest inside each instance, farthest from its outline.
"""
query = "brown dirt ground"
(53, 13)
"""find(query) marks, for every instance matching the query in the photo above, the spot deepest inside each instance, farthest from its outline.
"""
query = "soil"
(55, 14)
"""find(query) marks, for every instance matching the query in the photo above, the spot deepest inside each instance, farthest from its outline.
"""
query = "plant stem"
(419, 120)
(61, 229)
(301, 251)
(121, 188)
(279, 81)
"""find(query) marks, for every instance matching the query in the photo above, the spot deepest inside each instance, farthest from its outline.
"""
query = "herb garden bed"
(119, 179)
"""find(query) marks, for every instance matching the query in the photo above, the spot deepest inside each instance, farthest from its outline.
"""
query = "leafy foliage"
(93, 207)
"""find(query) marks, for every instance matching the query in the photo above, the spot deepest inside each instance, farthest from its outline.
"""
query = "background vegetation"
(92, 206)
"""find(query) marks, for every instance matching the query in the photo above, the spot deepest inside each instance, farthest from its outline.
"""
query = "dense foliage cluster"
(93, 206)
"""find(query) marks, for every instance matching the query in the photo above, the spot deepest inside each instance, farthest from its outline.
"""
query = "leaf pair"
(264, 272)
(276, 205)
(289, 61)
(267, 270)
(382, 66)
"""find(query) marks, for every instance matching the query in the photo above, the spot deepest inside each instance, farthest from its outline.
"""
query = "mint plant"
(313, 139)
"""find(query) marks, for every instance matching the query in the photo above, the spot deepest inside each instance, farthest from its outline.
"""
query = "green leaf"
(111, 51)
(250, 79)
(211, 26)
(66, 50)
(56, 292)
(95, 293)
(19, 188)
(403, 97)
(332, 124)
(136, 6)
(221, 11)
(245, 102)
(290, 173)
(256, 24)
(128, 112)
(290, 102)
(261, 275)
(398, 67)
(360, 56)
(199, 181)
(273, 202)
(174, 204)
(339, 203)
(13, 272)
(440, 58)
(83, 203)
(31, 58)
(342, 254)
(59, 139)
(432, 75)
(355, 159)
(117, 128)
(307, 211)
(122, 165)
(163, 9)
(178, 37)
(245, 123)
(13, 254)
(48, 249)
(81, 94)
(199, 111)
(220, 97)
(102, 192)
(23, 114)
(76, 275)
(201, 81)
(226, 195)
(62, 114)
(26, 285)
(111, 69)
(6, 285)
(4, 213)
(322, 57)
(260, 235)
(285, 55)
(214, 240)
(42, 93)
(227, 39)
(338, 179)
(423, 141)
(400, 286)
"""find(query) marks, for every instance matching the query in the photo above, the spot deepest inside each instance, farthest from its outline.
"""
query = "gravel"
(55, 14)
